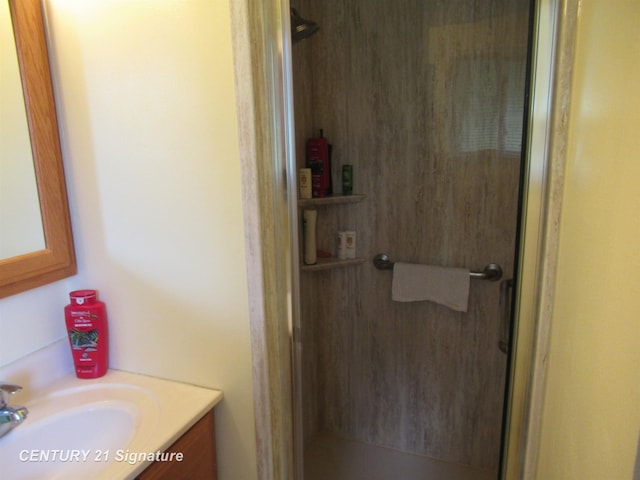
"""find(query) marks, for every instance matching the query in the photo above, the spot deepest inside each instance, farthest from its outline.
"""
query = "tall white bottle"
(309, 218)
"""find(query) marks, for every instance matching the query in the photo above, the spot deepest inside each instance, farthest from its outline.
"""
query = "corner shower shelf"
(330, 200)
(330, 263)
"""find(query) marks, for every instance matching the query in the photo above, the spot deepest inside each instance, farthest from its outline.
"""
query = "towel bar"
(492, 272)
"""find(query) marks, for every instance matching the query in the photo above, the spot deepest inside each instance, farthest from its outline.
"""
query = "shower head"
(301, 28)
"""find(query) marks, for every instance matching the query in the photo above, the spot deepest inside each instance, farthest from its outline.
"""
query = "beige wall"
(148, 125)
(591, 414)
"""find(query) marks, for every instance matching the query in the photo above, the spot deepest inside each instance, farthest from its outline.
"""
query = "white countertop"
(163, 410)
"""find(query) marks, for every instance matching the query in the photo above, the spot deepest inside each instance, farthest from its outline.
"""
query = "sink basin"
(104, 428)
(78, 432)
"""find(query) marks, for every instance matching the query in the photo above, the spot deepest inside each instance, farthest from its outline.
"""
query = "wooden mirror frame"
(57, 260)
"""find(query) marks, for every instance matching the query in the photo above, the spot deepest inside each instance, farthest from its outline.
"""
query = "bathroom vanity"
(122, 425)
(198, 446)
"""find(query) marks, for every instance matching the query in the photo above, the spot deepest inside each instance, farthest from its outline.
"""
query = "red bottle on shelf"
(86, 319)
(319, 161)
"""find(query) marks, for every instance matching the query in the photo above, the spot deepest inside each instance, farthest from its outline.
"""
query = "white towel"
(446, 286)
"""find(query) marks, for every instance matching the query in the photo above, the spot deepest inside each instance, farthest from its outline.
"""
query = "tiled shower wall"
(425, 99)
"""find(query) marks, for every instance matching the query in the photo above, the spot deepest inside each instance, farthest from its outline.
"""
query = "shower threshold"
(329, 456)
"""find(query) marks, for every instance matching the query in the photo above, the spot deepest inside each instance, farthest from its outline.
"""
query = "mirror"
(21, 228)
(57, 259)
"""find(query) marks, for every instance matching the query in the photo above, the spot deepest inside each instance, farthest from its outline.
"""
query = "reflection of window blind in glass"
(514, 105)
(488, 103)
(477, 105)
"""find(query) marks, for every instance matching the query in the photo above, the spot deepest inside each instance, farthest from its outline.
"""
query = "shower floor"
(329, 457)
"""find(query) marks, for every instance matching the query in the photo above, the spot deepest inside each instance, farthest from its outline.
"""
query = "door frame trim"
(261, 44)
(554, 43)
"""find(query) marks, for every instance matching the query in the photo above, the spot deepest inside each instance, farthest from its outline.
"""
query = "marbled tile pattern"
(423, 98)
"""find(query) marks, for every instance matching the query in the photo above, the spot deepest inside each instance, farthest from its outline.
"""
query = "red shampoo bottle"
(86, 319)
(319, 161)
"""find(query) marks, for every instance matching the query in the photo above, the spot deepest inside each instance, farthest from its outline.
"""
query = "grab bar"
(492, 272)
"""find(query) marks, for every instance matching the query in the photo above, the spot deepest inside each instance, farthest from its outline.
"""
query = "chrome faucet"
(10, 417)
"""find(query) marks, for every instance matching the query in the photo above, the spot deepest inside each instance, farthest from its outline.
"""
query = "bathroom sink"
(104, 428)
(78, 432)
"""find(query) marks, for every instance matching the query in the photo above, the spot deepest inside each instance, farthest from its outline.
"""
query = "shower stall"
(426, 100)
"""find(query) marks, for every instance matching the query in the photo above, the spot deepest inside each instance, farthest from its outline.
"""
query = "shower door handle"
(505, 314)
